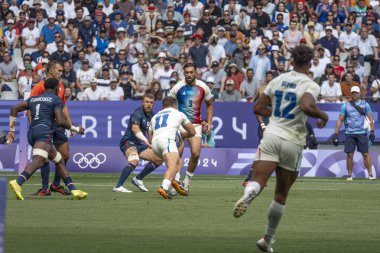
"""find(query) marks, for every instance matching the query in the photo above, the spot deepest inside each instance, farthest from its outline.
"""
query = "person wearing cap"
(25, 82)
(177, 16)
(22, 22)
(101, 41)
(30, 37)
(93, 93)
(311, 35)
(207, 24)
(330, 42)
(87, 31)
(210, 81)
(11, 36)
(114, 92)
(357, 118)
(85, 75)
(49, 30)
(198, 52)
(230, 94)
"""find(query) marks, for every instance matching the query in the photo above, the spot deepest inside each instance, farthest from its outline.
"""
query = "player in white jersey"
(190, 93)
(293, 97)
(162, 133)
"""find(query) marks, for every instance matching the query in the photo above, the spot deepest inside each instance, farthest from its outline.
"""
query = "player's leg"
(171, 160)
(40, 155)
(349, 149)
(60, 164)
(363, 148)
(146, 154)
(130, 152)
(195, 144)
(180, 148)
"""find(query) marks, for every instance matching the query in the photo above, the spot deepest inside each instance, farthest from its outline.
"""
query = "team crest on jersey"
(184, 93)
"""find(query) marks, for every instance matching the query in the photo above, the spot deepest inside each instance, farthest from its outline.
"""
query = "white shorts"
(161, 147)
(273, 148)
(198, 130)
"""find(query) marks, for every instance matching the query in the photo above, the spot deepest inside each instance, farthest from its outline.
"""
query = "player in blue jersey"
(190, 93)
(134, 145)
(45, 109)
(358, 120)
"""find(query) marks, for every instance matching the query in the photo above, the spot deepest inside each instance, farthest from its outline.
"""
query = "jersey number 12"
(161, 121)
(291, 97)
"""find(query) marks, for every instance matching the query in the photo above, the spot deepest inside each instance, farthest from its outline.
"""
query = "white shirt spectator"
(349, 40)
(254, 44)
(31, 36)
(113, 95)
(108, 10)
(52, 47)
(217, 53)
(26, 83)
(69, 9)
(331, 91)
(376, 85)
(164, 78)
(50, 10)
(93, 58)
(269, 9)
(132, 54)
(366, 46)
(137, 69)
(41, 24)
(85, 77)
(195, 11)
(237, 8)
(93, 95)
(269, 34)
(318, 70)
(334, 33)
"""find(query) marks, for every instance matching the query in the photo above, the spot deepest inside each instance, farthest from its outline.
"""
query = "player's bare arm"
(23, 106)
(210, 113)
(310, 108)
(150, 136)
(262, 106)
(190, 130)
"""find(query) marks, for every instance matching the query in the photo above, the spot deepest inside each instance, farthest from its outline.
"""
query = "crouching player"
(162, 133)
(134, 145)
(44, 109)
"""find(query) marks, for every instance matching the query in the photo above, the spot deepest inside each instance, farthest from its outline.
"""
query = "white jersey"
(166, 123)
(190, 98)
(287, 119)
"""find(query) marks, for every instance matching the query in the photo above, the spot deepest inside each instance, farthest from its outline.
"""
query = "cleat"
(242, 204)
(165, 194)
(179, 188)
(264, 246)
(17, 189)
(173, 192)
(42, 192)
(139, 184)
(349, 178)
(79, 195)
(186, 186)
(371, 178)
(121, 189)
(244, 184)
(60, 189)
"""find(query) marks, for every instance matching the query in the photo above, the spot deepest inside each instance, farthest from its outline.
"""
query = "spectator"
(178, 67)
(104, 76)
(60, 55)
(8, 69)
(30, 38)
(194, 8)
(86, 31)
(230, 94)
(210, 81)
(348, 39)
(338, 70)
(144, 78)
(292, 37)
(163, 76)
(114, 92)
(234, 74)
(375, 88)
(249, 87)
(331, 91)
(368, 48)
(156, 91)
(102, 41)
(311, 35)
(260, 63)
(216, 51)
(11, 35)
(347, 85)
(330, 42)
(328, 70)
(93, 93)
(91, 55)
(69, 94)
(128, 85)
(172, 50)
(218, 74)
(49, 30)
(69, 76)
(25, 82)
(134, 48)
(84, 75)
(263, 19)
(199, 52)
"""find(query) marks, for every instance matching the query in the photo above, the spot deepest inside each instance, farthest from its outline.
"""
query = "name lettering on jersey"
(41, 99)
(288, 85)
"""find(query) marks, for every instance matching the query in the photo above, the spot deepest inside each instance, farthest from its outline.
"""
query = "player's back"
(165, 124)
(287, 119)
(42, 109)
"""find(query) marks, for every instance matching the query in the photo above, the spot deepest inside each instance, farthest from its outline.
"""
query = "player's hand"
(81, 130)
(72, 134)
(10, 138)
(372, 137)
(335, 140)
(209, 127)
(321, 123)
(147, 143)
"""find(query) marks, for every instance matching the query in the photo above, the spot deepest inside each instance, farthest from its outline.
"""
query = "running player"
(44, 109)
(60, 141)
(293, 97)
(134, 145)
(162, 133)
(189, 94)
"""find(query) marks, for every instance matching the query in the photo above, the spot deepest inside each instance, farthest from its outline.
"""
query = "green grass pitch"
(322, 215)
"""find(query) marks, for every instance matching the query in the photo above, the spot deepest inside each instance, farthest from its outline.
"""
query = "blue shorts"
(40, 133)
(356, 140)
(126, 144)
(59, 135)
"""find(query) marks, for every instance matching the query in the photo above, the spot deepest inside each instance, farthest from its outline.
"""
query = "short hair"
(51, 83)
(302, 55)
(250, 69)
(51, 65)
(169, 102)
(189, 65)
(148, 95)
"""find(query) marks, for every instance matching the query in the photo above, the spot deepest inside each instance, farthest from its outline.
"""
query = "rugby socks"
(149, 168)
(22, 178)
(275, 213)
(177, 176)
(45, 171)
(69, 183)
(249, 176)
(166, 184)
(188, 177)
(127, 170)
(252, 186)
(57, 178)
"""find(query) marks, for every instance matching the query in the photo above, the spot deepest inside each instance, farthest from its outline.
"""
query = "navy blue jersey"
(42, 108)
(138, 117)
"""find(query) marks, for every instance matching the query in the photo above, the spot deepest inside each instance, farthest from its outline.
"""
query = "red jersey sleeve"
(61, 93)
(38, 89)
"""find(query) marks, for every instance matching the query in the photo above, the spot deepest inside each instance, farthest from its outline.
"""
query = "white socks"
(188, 178)
(253, 185)
(275, 213)
(166, 184)
(177, 176)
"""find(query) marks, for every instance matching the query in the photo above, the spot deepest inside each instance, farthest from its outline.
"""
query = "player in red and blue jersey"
(190, 93)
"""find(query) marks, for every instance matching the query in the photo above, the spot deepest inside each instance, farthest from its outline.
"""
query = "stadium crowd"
(117, 50)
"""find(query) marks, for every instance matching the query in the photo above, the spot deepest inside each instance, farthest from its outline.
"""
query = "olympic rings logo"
(89, 160)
